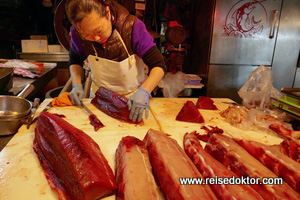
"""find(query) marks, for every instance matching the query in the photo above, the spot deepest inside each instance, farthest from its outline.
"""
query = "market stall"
(22, 177)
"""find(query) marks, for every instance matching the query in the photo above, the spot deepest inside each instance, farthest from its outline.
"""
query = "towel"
(62, 100)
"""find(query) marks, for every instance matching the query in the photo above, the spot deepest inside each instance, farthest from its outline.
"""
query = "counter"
(20, 171)
(20, 83)
(45, 57)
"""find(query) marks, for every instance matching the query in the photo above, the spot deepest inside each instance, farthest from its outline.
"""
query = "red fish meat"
(189, 113)
(284, 132)
(272, 158)
(112, 104)
(95, 122)
(170, 163)
(134, 172)
(235, 157)
(209, 167)
(206, 103)
(291, 148)
(209, 132)
(72, 161)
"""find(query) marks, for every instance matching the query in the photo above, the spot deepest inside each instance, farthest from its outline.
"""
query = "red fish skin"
(280, 164)
(189, 113)
(210, 167)
(169, 163)
(73, 159)
(113, 104)
(134, 172)
(206, 103)
(238, 160)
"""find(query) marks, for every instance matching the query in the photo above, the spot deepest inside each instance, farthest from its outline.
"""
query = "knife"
(44, 110)
(86, 108)
(35, 105)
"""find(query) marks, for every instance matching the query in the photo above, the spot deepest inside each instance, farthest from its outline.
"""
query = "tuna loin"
(189, 113)
(133, 171)
(235, 157)
(276, 161)
(170, 163)
(112, 104)
(72, 161)
(210, 167)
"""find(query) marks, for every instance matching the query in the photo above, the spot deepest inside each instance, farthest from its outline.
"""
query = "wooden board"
(21, 176)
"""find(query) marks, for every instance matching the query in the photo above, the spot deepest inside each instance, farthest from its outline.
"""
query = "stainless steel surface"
(241, 32)
(35, 105)
(13, 107)
(287, 49)
(273, 23)
(297, 78)
(233, 58)
(9, 126)
(26, 91)
(19, 83)
(226, 80)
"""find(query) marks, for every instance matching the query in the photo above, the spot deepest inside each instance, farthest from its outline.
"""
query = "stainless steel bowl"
(14, 111)
(10, 126)
(14, 107)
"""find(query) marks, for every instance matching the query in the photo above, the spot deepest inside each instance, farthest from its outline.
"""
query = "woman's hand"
(137, 103)
(76, 94)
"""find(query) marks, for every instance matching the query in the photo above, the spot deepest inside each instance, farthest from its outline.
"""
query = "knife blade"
(36, 104)
(44, 110)
(86, 108)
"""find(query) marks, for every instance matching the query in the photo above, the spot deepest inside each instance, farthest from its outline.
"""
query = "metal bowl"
(14, 107)
(10, 126)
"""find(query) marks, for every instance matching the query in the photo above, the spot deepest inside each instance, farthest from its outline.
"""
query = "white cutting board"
(78, 117)
(21, 176)
(165, 111)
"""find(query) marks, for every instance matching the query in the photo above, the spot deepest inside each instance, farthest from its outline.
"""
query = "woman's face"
(95, 28)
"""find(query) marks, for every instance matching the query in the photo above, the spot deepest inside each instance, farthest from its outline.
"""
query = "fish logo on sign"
(244, 19)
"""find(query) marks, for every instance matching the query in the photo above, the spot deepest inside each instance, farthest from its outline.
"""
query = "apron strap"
(120, 38)
(96, 54)
(129, 58)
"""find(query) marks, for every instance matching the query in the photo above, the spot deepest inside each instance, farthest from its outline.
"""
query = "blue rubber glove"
(137, 103)
(76, 94)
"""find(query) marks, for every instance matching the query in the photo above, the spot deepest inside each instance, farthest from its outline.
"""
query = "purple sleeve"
(142, 41)
(75, 43)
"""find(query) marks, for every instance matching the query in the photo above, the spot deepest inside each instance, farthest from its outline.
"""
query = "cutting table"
(21, 176)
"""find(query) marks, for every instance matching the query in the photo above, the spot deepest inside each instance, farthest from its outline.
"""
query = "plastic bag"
(173, 84)
(258, 89)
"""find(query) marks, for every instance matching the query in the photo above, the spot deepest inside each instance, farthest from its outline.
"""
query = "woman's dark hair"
(77, 9)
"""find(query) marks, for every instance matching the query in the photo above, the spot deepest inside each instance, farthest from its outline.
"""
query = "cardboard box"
(56, 48)
(34, 46)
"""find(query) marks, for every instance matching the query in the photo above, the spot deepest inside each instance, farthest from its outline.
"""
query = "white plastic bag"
(258, 89)
(173, 84)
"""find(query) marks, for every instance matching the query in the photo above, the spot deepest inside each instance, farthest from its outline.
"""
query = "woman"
(116, 45)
